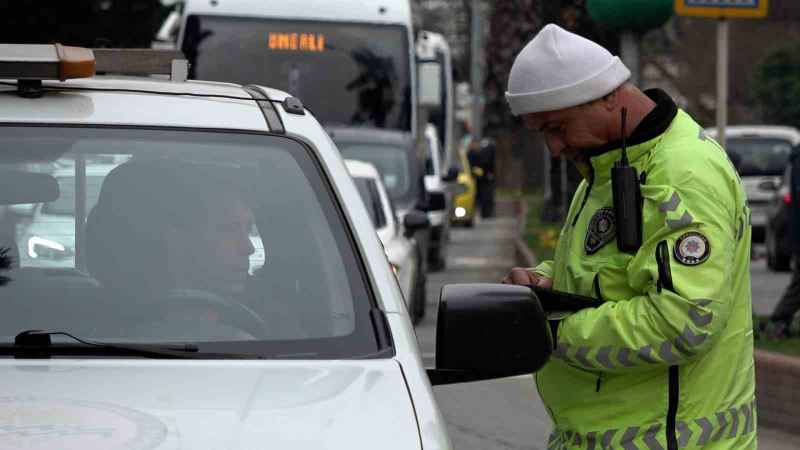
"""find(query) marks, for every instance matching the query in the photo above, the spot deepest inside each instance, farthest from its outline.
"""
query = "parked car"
(463, 211)
(397, 238)
(438, 181)
(159, 334)
(763, 153)
(395, 156)
(778, 240)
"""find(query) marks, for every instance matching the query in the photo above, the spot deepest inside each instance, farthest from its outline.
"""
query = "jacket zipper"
(664, 273)
(596, 283)
(585, 197)
(665, 281)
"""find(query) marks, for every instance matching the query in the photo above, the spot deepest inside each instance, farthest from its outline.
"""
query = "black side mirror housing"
(451, 175)
(436, 202)
(415, 221)
(487, 331)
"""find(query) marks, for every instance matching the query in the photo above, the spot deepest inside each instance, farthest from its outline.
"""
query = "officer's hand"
(522, 276)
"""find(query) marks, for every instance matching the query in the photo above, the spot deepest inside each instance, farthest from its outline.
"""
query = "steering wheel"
(230, 311)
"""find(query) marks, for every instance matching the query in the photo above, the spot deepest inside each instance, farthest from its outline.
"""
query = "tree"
(520, 158)
(776, 85)
(86, 23)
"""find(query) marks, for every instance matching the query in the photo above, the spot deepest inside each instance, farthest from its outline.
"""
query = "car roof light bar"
(45, 62)
(29, 64)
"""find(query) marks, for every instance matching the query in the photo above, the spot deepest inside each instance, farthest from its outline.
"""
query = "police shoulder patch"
(602, 230)
(692, 248)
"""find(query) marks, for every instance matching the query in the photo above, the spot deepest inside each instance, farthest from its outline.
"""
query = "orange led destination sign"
(300, 42)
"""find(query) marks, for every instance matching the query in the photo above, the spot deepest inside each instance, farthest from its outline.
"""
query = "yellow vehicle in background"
(464, 202)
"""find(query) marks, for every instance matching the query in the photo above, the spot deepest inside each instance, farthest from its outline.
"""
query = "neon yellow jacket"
(667, 361)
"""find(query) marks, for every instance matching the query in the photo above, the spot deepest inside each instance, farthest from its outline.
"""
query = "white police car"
(159, 333)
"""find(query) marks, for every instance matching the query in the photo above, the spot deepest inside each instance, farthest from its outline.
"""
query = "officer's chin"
(572, 155)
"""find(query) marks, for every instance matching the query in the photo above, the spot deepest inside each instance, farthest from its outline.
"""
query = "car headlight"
(460, 212)
(39, 247)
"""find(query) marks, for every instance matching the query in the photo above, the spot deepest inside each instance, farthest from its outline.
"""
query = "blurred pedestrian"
(482, 160)
(667, 360)
(785, 311)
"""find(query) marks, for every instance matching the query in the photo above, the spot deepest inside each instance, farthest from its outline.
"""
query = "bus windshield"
(368, 83)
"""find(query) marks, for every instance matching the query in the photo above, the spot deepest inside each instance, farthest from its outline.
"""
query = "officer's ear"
(611, 100)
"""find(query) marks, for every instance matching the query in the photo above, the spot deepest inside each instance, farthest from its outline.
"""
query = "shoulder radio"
(627, 199)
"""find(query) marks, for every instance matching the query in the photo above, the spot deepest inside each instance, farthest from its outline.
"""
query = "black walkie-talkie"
(627, 200)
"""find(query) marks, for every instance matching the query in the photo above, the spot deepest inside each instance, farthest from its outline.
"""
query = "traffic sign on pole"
(743, 9)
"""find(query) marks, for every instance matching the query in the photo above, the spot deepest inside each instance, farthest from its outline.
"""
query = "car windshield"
(760, 156)
(392, 164)
(178, 236)
(370, 85)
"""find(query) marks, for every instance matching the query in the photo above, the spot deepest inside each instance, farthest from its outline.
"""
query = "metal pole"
(722, 79)
(477, 73)
(629, 53)
(80, 211)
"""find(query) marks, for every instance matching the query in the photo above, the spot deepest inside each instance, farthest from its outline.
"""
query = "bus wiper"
(38, 344)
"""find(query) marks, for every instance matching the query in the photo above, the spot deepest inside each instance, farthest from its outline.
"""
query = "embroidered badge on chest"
(692, 248)
(602, 230)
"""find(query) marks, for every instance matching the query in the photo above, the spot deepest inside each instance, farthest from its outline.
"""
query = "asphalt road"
(507, 414)
(767, 286)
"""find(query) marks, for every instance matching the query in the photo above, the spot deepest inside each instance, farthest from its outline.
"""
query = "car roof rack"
(29, 64)
(135, 61)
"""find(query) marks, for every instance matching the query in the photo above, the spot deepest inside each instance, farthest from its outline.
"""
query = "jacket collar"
(644, 137)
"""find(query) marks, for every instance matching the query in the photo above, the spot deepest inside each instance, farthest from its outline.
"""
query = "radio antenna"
(624, 159)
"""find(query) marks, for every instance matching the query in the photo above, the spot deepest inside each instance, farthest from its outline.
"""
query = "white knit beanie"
(559, 69)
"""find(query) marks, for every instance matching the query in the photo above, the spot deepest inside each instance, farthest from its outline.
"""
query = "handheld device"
(558, 304)
(627, 200)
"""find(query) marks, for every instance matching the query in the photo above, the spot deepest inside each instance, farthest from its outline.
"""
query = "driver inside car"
(174, 236)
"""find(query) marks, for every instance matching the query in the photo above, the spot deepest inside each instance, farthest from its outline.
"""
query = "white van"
(763, 153)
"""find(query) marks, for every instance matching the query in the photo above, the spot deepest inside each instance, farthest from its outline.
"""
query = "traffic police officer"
(667, 361)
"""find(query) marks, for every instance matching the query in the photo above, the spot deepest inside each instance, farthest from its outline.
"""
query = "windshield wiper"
(38, 344)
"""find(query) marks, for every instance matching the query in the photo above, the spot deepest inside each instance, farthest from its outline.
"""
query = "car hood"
(146, 404)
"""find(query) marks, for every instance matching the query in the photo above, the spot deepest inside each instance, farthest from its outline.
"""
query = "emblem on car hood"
(52, 423)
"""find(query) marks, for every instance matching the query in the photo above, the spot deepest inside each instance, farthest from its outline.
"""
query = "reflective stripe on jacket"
(667, 361)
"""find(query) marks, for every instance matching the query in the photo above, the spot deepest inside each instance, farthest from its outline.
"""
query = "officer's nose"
(554, 144)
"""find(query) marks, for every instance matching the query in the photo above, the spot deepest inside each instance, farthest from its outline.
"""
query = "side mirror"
(487, 331)
(436, 202)
(415, 221)
(451, 175)
(430, 87)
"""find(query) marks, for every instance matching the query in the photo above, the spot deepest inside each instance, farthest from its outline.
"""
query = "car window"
(177, 236)
(371, 197)
(392, 164)
(760, 156)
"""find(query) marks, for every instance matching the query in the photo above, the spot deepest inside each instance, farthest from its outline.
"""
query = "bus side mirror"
(430, 84)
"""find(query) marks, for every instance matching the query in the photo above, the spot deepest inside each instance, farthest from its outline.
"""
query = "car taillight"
(787, 198)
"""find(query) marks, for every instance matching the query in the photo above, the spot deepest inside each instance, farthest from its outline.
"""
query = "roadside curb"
(777, 375)
(778, 390)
